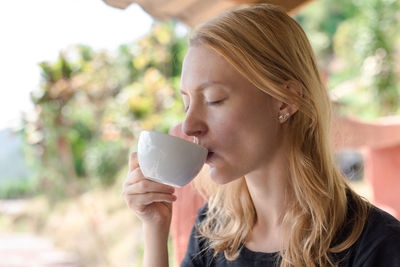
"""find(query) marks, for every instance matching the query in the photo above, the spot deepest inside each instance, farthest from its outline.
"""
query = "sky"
(36, 31)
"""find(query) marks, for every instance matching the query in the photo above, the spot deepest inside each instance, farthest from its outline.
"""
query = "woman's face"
(233, 119)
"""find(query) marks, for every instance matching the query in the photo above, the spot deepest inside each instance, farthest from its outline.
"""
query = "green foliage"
(17, 188)
(92, 105)
(104, 159)
(355, 42)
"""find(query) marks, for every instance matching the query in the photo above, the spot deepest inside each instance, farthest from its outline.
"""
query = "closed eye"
(211, 103)
(215, 102)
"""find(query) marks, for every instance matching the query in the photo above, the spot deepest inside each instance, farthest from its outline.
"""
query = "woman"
(254, 98)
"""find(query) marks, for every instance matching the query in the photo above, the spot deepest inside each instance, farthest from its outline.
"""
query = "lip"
(210, 154)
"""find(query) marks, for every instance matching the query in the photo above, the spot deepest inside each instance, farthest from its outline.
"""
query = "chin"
(221, 178)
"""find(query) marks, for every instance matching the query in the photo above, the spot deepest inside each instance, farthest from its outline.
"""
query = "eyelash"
(214, 103)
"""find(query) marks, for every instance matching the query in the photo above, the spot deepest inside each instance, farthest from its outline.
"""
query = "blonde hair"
(270, 48)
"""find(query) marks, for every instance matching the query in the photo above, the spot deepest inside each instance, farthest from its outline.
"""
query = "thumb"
(133, 161)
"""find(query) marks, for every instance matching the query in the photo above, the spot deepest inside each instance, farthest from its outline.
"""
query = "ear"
(295, 91)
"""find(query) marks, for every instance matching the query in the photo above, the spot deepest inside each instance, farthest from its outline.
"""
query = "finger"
(149, 198)
(133, 161)
(133, 177)
(147, 186)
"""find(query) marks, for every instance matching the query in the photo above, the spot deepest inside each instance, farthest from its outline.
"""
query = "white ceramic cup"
(168, 159)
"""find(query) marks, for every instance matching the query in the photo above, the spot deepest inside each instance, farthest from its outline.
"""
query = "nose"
(194, 124)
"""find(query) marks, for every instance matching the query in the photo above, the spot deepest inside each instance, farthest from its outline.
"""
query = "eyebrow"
(203, 86)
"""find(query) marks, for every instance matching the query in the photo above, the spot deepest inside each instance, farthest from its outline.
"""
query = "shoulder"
(202, 213)
(382, 228)
(199, 242)
(381, 224)
(379, 243)
(197, 253)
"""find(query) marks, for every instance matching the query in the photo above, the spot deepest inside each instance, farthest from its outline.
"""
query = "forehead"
(203, 64)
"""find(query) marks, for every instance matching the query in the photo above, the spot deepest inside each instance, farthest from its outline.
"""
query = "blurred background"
(80, 79)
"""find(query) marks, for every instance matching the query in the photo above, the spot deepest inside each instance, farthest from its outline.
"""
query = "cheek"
(231, 132)
(251, 127)
(225, 125)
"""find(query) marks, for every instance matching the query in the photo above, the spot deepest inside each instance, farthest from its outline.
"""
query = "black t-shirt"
(378, 245)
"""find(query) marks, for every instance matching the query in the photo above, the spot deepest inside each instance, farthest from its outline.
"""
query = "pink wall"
(381, 142)
(383, 173)
(183, 218)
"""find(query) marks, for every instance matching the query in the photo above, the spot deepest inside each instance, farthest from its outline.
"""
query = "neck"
(267, 187)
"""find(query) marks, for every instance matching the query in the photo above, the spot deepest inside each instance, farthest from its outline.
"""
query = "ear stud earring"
(283, 117)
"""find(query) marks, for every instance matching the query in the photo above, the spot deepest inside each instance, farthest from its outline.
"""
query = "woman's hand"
(150, 201)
